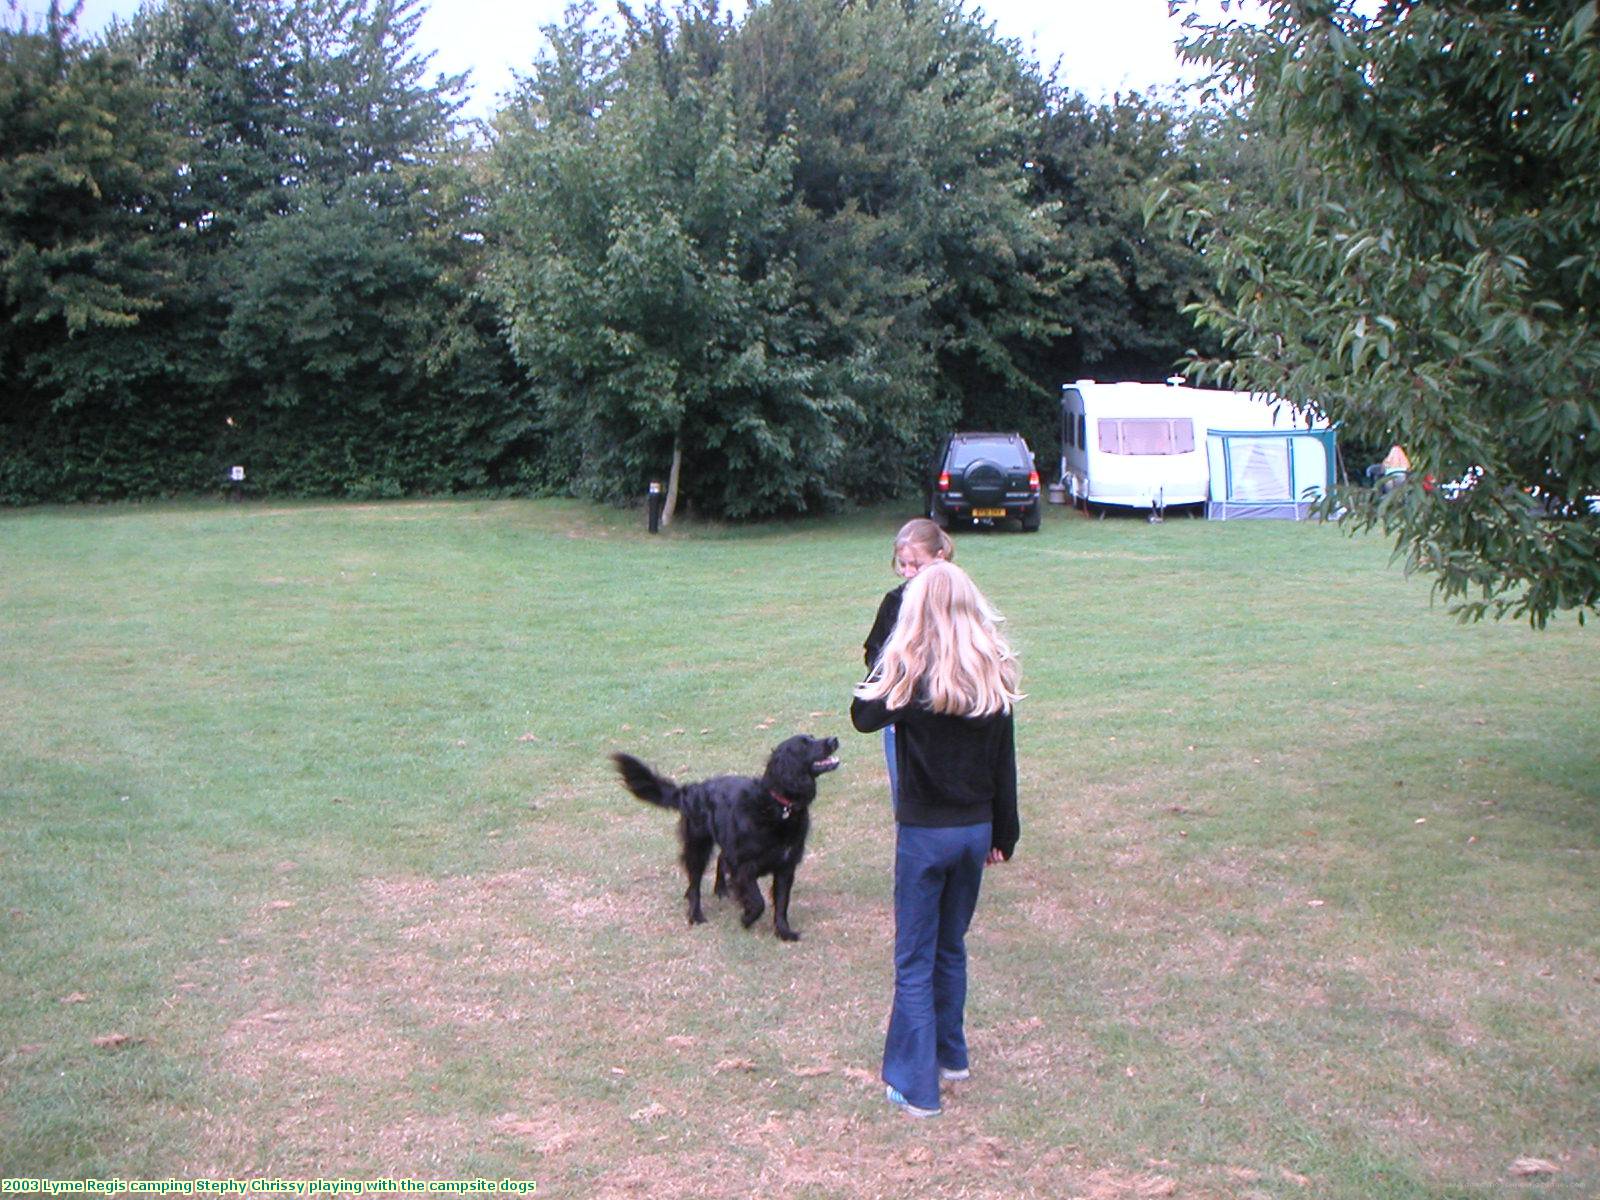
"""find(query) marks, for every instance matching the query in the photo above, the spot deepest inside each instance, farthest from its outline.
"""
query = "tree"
(924, 260)
(1125, 283)
(326, 213)
(84, 256)
(1420, 265)
(645, 295)
(82, 164)
(245, 231)
(788, 253)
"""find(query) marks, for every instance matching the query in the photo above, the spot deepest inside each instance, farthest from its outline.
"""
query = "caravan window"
(1147, 435)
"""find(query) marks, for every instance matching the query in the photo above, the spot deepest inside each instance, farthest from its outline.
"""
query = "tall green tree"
(796, 248)
(1125, 282)
(82, 166)
(924, 259)
(327, 214)
(246, 230)
(648, 297)
(84, 257)
(1420, 265)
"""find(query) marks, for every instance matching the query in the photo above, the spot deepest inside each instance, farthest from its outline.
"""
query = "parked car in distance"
(984, 477)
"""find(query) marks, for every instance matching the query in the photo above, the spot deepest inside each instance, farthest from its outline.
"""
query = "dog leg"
(696, 854)
(782, 886)
(748, 891)
(720, 888)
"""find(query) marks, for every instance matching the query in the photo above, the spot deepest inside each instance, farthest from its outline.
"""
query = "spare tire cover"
(985, 482)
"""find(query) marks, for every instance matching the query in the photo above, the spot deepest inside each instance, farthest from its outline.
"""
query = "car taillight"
(944, 481)
(1033, 481)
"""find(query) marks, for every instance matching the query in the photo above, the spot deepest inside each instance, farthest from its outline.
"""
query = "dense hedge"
(91, 454)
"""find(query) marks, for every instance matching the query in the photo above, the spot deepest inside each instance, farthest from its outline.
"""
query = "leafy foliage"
(924, 257)
(642, 287)
(787, 253)
(796, 250)
(1421, 266)
(311, 208)
(1126, 283)
(81, 160)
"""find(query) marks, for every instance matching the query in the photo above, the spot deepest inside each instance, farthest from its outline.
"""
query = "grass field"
(312, 865)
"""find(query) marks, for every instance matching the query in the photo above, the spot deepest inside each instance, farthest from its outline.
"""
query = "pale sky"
(1105, 46)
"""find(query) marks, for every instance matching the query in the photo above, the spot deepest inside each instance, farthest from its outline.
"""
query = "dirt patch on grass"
(279, 1043)
(561, 1022)
(870, 1155)
(718, 1063)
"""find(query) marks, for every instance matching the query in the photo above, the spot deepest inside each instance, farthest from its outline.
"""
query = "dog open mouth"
(831, 763)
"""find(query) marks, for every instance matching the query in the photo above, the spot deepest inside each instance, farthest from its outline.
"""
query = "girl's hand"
(995, 856)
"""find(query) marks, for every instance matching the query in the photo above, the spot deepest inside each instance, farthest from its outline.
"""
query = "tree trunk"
(671, 505)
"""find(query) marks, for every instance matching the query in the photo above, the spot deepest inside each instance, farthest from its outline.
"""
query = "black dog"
(760, 825)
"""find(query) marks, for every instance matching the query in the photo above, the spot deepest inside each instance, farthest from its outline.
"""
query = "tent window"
(1147, 435)
(1261, 470)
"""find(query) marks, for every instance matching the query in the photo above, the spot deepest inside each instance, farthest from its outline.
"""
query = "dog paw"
(696, 918)
(789, 935)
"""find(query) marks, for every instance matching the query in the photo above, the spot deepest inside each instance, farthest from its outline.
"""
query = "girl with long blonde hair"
(948, 681)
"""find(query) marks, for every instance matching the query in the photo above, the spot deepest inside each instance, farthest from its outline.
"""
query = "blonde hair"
(924, 535)
(946, 650)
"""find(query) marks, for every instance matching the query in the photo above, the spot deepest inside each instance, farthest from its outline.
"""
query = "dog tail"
(645, 783)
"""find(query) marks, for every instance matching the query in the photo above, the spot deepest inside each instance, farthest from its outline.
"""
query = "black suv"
(984, 476)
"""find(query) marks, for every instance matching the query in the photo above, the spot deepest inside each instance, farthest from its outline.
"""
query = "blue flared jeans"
(937, 873)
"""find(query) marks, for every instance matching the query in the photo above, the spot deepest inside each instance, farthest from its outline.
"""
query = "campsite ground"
(312, 865)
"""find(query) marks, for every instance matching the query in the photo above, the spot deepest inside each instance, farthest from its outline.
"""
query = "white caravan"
(1143, 445)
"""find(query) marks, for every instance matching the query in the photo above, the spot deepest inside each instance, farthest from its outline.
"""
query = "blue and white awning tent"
(1268, 473)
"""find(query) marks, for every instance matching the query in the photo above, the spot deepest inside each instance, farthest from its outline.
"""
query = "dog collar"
(784, 803)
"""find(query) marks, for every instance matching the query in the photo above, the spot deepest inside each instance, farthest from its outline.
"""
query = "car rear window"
(1147, 435)
(1005, 453)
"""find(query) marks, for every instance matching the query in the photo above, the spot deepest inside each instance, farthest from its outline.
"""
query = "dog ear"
(789, 769)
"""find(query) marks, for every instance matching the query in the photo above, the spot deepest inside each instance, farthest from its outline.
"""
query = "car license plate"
(988, 512)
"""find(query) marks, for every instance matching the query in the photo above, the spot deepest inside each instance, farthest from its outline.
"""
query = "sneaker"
(954, 1074)
(905, 1106)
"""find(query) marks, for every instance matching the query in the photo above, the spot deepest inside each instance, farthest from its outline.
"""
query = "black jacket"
(953, 770)
(883, 624)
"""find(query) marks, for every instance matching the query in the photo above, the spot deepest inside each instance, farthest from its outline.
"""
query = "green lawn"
(305, 811)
